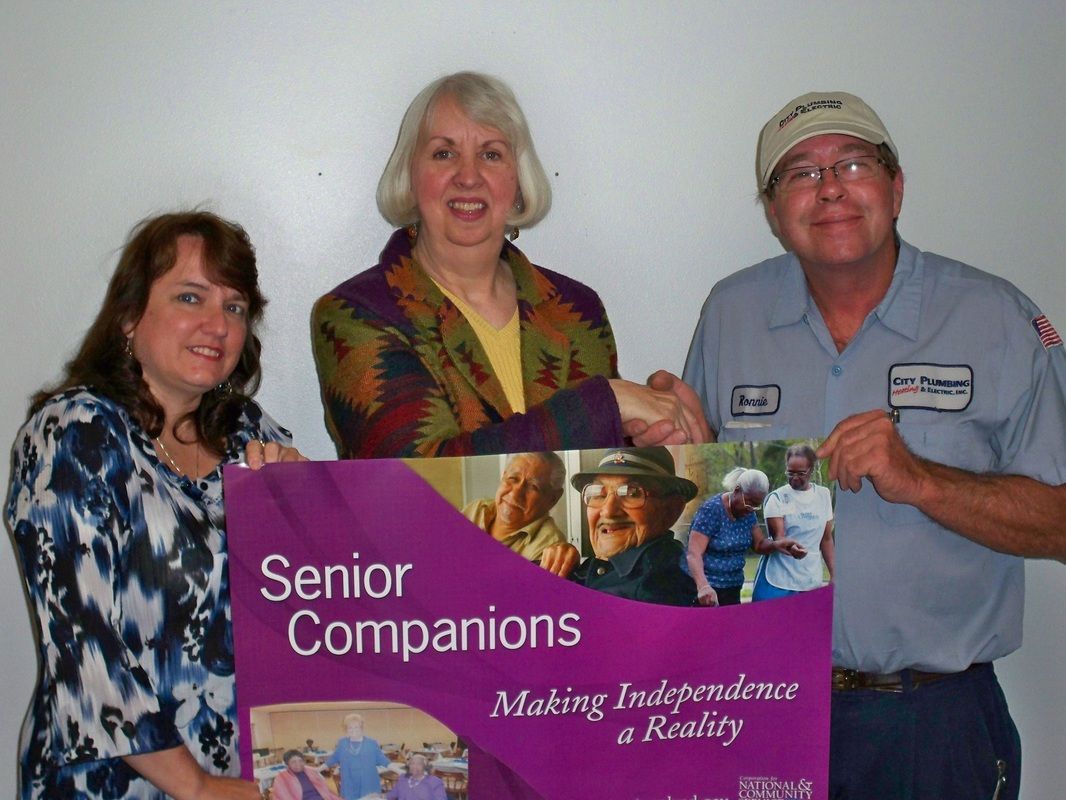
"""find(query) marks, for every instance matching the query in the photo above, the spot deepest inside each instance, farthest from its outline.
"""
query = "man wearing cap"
(631, 500)
(942, 386)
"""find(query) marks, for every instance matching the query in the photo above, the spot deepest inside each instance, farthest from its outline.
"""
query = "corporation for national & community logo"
(772, 788)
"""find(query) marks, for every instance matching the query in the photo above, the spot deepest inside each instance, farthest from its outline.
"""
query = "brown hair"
(103, 363)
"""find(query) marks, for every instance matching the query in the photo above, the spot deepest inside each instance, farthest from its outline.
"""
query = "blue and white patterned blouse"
(730, 539)
(125, 563)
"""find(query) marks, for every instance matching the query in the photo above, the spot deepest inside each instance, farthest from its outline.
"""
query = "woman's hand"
(218, 788)
(697, 546)
(257, 453)
(560, 558)
(707, 596)
(790, 547)
(176, 773)
(668, 415)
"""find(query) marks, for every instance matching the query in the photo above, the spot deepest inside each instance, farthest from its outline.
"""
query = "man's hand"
(664, 431)
(867, 445)
(560, 559)
(1009, 513)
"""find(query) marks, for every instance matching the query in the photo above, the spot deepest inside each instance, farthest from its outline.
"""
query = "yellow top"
(503, 348)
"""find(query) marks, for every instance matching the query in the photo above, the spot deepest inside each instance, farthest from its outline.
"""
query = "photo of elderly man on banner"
(376, 583)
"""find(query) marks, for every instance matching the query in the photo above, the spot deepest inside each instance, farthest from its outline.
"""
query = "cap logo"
(814, 105)
(631, 459)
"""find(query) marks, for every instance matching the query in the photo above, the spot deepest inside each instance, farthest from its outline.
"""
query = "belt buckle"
(845, 680)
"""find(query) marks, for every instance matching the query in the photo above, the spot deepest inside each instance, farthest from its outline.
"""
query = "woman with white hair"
(723, 530)
(455, 344)
(359, 757)
(418, 783)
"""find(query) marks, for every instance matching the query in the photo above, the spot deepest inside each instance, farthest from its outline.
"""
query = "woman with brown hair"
(116, 509)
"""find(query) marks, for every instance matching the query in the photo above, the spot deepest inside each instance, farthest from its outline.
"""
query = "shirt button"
(601, 570)
(837, 369)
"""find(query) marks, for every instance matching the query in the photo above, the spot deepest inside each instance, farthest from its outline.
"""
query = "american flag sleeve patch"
(1049, 337)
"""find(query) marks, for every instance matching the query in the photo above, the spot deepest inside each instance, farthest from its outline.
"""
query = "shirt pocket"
(952, 441)
(755, 429)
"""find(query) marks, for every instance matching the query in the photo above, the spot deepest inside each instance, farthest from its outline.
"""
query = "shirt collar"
(626, 561)
(527, 531)
(414, 283)
(899, 310)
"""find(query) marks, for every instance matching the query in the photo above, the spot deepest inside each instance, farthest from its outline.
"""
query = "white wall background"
(281, 115)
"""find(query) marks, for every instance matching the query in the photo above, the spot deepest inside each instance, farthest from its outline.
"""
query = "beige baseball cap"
(811, 115)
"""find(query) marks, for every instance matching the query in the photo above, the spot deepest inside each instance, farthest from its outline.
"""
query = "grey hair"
(802, 451)
(749, 480)
(413, 756)
(488, 101)
(555, 464)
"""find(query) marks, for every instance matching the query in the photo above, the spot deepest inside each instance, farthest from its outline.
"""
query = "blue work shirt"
(958, 351)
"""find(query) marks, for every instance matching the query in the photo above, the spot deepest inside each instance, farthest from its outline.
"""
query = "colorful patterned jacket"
(403, 374)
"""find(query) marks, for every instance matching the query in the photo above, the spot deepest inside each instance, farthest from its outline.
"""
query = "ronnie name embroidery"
(755, 401)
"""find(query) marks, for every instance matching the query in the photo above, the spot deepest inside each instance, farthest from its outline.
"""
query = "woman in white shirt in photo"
(803, 511)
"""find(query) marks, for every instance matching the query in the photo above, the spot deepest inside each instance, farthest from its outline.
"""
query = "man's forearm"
(1008, 513)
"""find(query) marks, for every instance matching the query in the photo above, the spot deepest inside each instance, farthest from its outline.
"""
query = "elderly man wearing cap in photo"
(943, 387)
(631, 500)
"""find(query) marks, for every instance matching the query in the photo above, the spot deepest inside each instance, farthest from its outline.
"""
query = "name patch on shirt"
(755, 401)
(938, 387)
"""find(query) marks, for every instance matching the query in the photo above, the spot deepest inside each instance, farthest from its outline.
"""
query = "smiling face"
(798, 473)
(614, 529)
(354, 729)
(836, 224)
(191, 334)
(296, 763)
(464, 180)
(525, 493)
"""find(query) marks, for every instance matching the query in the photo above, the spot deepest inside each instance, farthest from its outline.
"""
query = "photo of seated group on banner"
(536, 625)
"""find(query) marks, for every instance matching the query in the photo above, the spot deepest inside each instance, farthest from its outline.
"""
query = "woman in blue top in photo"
(723, 530)
(803, 512)
(359, 757)
(720, 536)
(116, 510)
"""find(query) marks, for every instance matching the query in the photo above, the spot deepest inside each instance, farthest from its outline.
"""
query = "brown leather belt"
(846, 680)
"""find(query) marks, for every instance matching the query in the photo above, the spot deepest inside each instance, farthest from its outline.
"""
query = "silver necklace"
(355, 750)
(413, 783)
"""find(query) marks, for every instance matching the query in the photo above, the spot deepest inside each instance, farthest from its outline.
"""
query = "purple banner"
(356, 581)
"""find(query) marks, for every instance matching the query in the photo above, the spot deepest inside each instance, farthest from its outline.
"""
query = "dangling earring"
(225, 387)
(129, 345)
(518, 207)
(412, 232)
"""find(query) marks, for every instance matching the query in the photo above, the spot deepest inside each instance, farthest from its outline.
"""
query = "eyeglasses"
(798, 473)
(630, 495)
(746, 507)
(847, 170)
